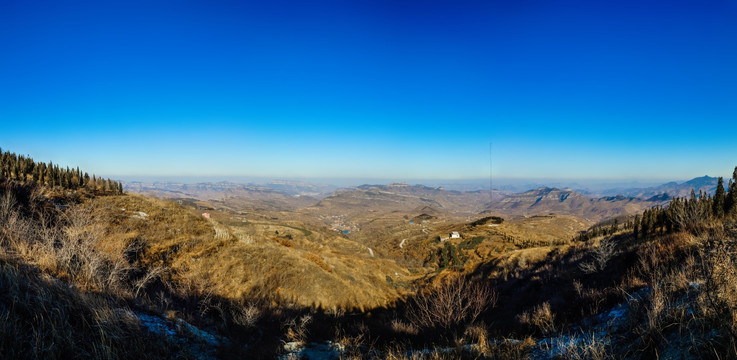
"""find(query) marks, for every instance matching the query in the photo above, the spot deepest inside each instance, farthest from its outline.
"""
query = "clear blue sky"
(373, 89)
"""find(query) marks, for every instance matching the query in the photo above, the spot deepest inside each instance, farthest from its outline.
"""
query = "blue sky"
(373, 89)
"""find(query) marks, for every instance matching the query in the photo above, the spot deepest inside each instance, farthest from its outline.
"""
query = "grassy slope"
(263, 260)
(542, 289)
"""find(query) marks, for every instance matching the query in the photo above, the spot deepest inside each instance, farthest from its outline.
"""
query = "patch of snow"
(156, 324)
(566, 346)
(371, 252)
(598, 332)
(313, 351)
(401, 244)
(200, 343)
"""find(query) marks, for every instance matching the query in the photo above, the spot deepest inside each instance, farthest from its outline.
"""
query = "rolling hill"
(568, 202)
(673, 189)
(89, 271)
(283, 196)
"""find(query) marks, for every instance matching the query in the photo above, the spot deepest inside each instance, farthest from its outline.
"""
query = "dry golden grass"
(43, 318)
(317, 260)
(164, 256)
(280, 262)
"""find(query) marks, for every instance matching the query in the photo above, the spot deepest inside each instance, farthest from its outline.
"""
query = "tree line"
(25, 169)
(693, 213)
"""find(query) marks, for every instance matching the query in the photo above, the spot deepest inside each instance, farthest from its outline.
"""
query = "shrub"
(472, 243)
(457, 301)
(601, 254)
(541, 317)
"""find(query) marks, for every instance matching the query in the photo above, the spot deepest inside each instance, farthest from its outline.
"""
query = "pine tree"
(614, 227)
(645, 224)
(636, 226)
(730, 203)
(719, 199)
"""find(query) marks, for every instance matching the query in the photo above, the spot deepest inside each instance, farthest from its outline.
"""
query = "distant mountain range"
(217, 190)
(408, 199)
(400, 197)
(670, 190)
(547, 200)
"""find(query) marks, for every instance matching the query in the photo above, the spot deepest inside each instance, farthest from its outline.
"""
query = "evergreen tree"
(636, 226)
(730, 204)
(614, 227)
(719, 199)
(645, 224)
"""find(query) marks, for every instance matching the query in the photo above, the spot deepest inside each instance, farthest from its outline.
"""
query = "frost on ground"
(200, 343)
(313, 351)
(591, 338)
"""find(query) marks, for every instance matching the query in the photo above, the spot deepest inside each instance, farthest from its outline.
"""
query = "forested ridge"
(24, 169)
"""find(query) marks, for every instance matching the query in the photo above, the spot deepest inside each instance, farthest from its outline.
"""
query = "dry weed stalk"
(246, 315)
(540, 317)
(719, 291)
(401, 327)
(148, 277)
(585, 348)
(298, 330)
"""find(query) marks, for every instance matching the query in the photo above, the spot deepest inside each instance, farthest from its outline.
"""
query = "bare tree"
(602, 254)
(455, 302)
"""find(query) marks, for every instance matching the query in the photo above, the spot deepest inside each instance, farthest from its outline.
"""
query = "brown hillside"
(267, 260)
(567, 202)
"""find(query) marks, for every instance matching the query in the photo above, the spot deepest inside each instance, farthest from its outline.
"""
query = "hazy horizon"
(502, 184)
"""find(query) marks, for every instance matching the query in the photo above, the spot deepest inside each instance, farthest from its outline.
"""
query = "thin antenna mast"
(491, 193)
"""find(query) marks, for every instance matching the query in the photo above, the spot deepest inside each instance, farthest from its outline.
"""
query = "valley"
(378, 180)
(262, 271)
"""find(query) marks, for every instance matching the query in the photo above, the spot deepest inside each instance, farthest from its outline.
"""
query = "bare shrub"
(76, 253)
(297, 328)
(718, 300)
(479, 336)
(221, 232)
(578, 286)
(335, 311)
(7, 205)
(16, 232)
(601, 254)
(148, 277)
(455, 302)
(401, 327)
(540, 317)
(246, 315)
(351, 346)
(583, 348)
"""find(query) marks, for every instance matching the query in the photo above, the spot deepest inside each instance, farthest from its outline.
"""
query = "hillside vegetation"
(88, 272)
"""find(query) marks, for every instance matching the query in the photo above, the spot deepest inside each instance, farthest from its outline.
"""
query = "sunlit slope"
(544, 201)
(284, 263)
